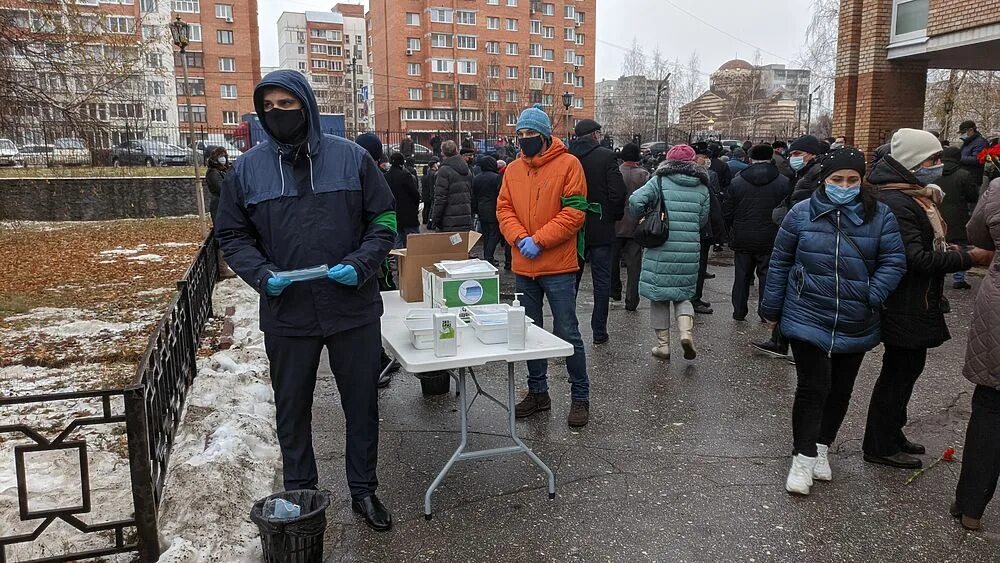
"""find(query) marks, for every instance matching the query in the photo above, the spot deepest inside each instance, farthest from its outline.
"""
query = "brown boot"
(532, 403)
(579, 414)
(971, 524)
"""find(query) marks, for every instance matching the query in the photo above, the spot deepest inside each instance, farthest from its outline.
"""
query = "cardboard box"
(443, 291)
(424, 250)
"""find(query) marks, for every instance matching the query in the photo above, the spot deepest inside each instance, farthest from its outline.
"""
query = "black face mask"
(531, 146)
(288, 126)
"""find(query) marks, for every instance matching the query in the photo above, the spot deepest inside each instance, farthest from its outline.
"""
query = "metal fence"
(153, 403)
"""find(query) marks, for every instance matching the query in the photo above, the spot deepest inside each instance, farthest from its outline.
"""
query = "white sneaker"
(800, 476)
(822, 471)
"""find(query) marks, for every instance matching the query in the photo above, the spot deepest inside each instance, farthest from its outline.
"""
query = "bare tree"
(819, 52)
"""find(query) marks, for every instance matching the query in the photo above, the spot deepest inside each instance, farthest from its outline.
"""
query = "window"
(198, 114)
(492, 2)
(438, 40)
(512, 49)
(466, 41)
(578, 103)
(337, 65)
(415, 94)
(440, 15)
(158, 115)
(194, 31)
(580, 17)
(909, 19)
(320, 49)
(156, 88)
(512, 3)
(302, 66)
(547, 100)
(569, 33)
(224, 36)
(413, 69)
(412, 18)
(569, 12)
(230, 118)
(492, 23)
(512, 72)
(535, 27)
(579, 39)
(154, 60)
(578, 61)
(535, 50)
(413, 43)
(228, 91)
(569, 56)
(465, 17)
(121, 24)
(493, 47)
(467, 67)
(550, 77)
(442, 65)
(335, 50)
(187, 6)
(125, 110)
(511, 120)
(466, 92)
(194, 59)
(493, 71)
(146, 6)
(568, 77)
(511, 24)
(197, 87)
(227, 64)
(443, 91)
(511, 96)
(493, 95)
(537, 73)
(548, 32)
(549, 55)
(224, 12)
(301, 50)
(548, 9)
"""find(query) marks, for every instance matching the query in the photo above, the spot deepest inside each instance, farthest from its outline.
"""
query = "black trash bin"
(293, 540)
(435, 382)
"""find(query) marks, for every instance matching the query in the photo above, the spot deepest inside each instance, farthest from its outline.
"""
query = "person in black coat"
(912, 318)
(605, 187)
(217, 159)
(452, 210)
(719, 167)
(961, 193)
(713, 233)
(485, 190)
(427, 188)
(746, 209)
(404, 189)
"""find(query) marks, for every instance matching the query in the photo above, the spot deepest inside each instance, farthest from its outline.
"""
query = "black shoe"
(702, 308)
(709, 276)
(601, 339)
(631, 308)
(961, 285)
(506, 267)
(912, 448)
(616, 296)
(899, 459)
(375, 513)
(771, 348)
(945, 305)
(737, 317)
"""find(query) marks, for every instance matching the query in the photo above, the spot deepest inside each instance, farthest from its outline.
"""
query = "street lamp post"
(567, 101)
(809, 112)
(663, 85)
(181, 33)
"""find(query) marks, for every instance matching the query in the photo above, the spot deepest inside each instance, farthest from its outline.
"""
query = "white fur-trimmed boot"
(685, 324)
(662, 349)
(800, 476)
(822, 470)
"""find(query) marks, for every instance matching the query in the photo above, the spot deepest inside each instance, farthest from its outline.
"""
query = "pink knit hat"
(683, 153)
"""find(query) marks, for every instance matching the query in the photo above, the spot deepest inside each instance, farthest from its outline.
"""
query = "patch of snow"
(146, 258)
(87, 328)
(177, 244)
(157, 291)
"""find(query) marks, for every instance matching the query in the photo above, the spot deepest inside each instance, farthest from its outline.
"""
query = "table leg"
(463, 421)
(513, 432)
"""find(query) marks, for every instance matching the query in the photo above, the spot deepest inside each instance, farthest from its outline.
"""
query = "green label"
(458, 293)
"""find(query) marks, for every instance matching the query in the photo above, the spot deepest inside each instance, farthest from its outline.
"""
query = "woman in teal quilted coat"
(670, 271)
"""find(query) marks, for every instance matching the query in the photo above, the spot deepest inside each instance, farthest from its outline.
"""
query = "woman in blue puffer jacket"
(837, 257)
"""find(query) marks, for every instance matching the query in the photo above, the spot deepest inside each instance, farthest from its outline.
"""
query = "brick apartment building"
(885, 48)
(330, 48)
(471, 66)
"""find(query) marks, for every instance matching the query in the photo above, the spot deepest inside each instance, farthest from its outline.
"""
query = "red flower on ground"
(949, 454)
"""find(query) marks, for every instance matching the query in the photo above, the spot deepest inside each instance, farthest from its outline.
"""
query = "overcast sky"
(777, 27)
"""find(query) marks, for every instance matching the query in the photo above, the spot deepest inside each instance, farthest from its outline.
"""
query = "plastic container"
(462, 269)
(293, 540)
(304, 274)
(420, 323)
(517, 329)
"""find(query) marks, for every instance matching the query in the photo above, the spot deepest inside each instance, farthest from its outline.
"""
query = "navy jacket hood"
(297, 84)
(760, 174)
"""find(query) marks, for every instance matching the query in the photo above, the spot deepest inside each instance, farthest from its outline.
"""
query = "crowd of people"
(848, 253)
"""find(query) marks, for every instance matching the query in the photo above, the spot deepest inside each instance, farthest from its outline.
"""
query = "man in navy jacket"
(299, 200)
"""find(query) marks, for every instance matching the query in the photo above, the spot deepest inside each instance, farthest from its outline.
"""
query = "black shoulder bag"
(871, 269)
(654, 227)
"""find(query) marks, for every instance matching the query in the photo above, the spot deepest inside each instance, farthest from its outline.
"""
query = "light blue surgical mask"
(842, 196)
(929, 175)
(797, 162)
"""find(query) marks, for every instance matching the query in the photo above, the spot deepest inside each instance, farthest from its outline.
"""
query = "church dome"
(736, 64)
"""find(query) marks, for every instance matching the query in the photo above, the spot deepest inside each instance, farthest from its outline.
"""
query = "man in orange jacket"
(540, 215)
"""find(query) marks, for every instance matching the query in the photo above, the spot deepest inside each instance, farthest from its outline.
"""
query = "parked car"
(9, 155)
(36, 155)
(70, 152)
(149, 153)
(653, 149)
(421, 154)
(217, 141)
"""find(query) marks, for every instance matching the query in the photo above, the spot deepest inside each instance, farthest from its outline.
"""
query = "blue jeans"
(560, 289)
(403, 233)
(600, 258)
(958, 276)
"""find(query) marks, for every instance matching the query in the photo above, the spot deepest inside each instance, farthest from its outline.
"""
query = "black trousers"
(702, 270)
(628, 250)
(491, 238)
(887, 412)
(981, 457)
(354, 359)
(823, 393)
(746, 264)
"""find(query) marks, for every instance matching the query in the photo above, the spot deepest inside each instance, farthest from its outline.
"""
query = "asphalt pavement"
(681, 461)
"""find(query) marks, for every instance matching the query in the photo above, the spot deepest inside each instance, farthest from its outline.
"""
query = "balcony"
(913, 38)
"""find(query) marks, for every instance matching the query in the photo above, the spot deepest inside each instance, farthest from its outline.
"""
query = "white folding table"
(539, 345)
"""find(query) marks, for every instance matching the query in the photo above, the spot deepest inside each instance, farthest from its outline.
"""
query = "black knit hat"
(701, 147)
(372, 144)
(630, 153)
(847, 158)
(807, 143)
(762, 151)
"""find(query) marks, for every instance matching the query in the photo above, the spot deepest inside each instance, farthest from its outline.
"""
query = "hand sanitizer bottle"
(445, 333)
(516, 330)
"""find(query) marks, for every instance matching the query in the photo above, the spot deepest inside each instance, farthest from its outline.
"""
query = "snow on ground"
(225, 456)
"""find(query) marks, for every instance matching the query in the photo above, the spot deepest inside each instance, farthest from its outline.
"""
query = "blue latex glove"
(275, 285)
(528, 248)
(344, 274)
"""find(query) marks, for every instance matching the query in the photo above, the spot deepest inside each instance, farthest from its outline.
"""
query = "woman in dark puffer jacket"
(837, 257)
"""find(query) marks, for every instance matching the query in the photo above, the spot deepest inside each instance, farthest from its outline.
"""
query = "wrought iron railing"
(153, 403)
